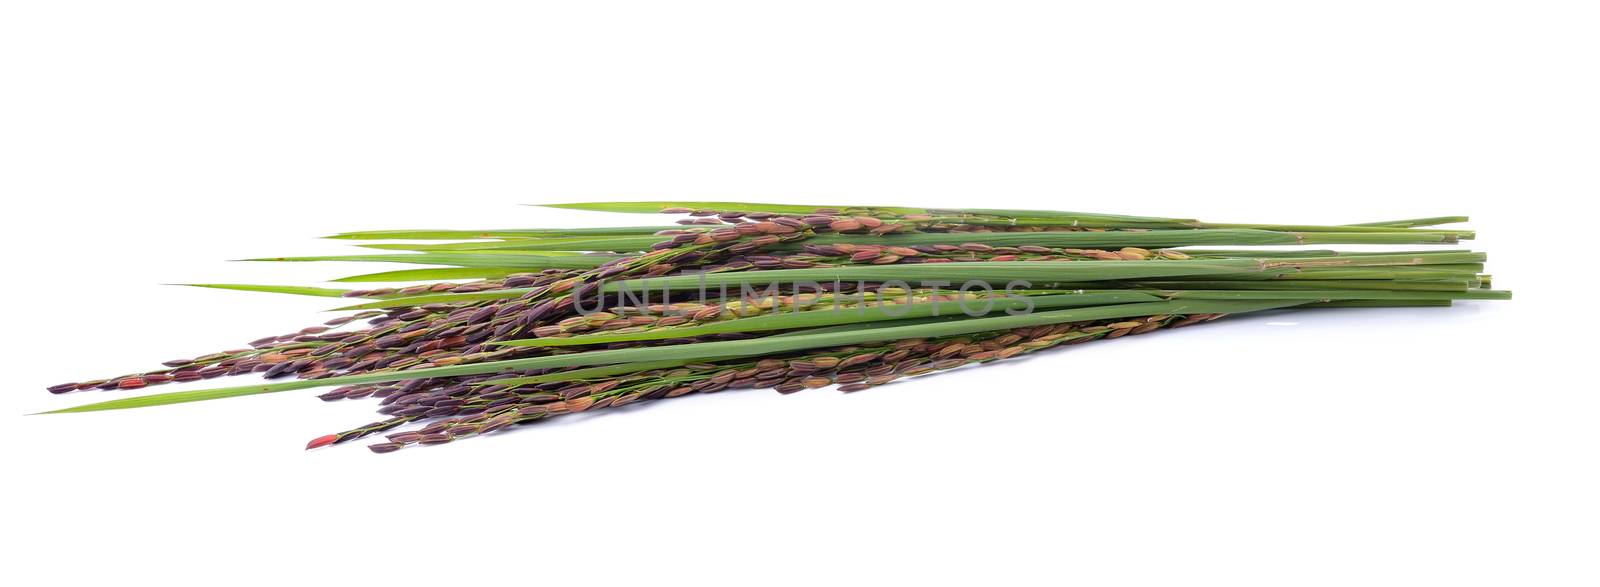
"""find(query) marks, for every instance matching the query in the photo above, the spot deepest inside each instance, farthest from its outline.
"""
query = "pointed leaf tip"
(280, 289)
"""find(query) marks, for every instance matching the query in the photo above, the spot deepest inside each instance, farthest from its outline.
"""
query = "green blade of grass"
(1145, 239)
(612, 244)
(1442, 271)
(1381, 304)
(424, 234)
(1415, 222)
(590, 372)
(547, 247)
(1332, 295)
(497, 260)
(1253, 253)
(1346, 228)
(323, 292)
(1351, 284)
(432, 274)
(1083, 218)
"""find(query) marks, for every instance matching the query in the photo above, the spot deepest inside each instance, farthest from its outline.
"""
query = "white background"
(145, 142)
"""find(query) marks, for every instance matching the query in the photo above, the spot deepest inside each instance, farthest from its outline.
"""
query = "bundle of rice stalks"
(515, 326)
